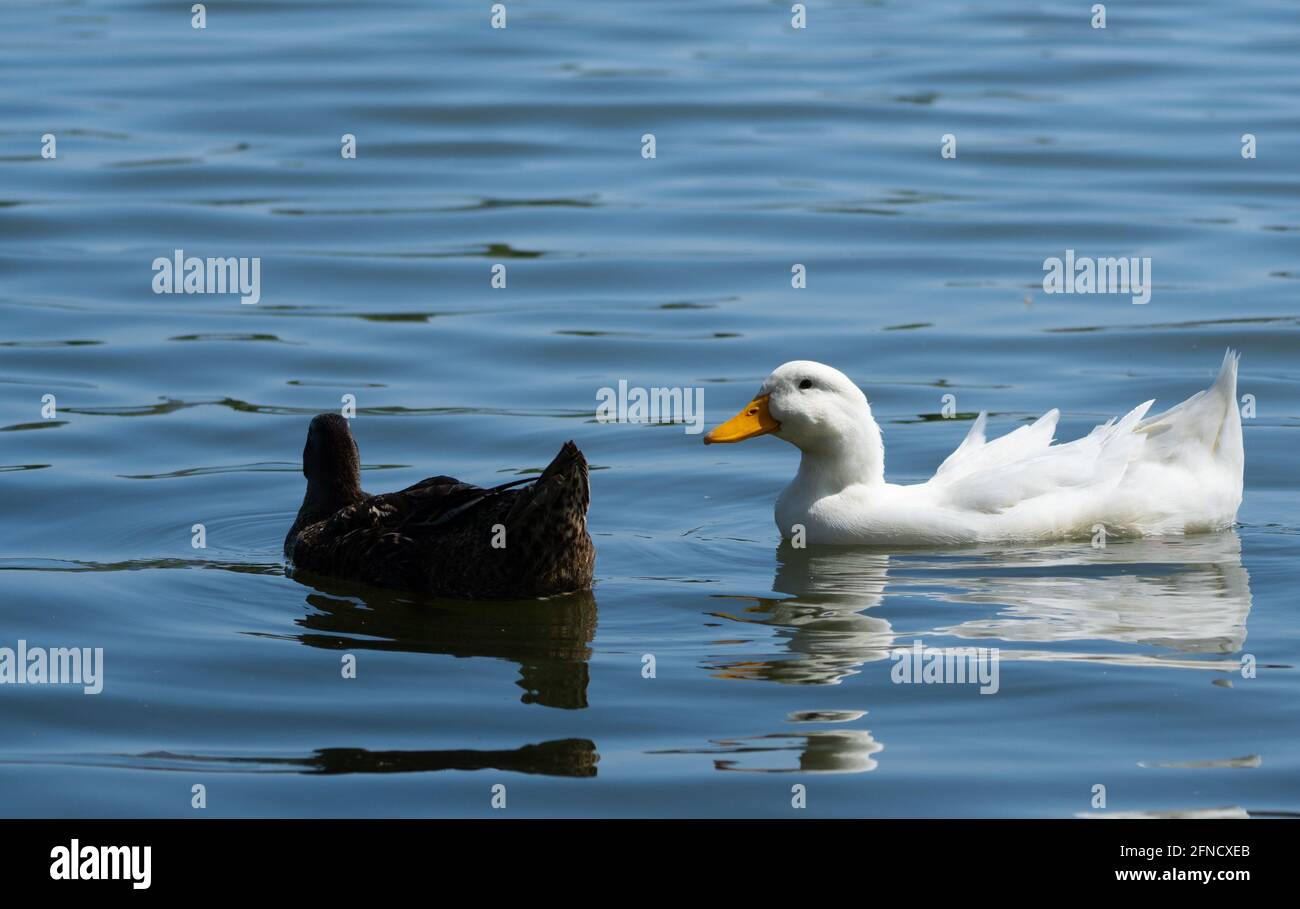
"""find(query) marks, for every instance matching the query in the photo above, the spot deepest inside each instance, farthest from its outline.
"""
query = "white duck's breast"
(881, 513)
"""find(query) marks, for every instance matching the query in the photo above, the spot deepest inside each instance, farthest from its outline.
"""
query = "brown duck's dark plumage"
(437, 536)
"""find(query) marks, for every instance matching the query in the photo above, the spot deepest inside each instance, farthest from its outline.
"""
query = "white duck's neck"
(853, 455)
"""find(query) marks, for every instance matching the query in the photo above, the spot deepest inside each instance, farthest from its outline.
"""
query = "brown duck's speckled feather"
(437, 536)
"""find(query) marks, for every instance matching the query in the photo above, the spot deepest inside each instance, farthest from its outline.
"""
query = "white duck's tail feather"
(1208, 424)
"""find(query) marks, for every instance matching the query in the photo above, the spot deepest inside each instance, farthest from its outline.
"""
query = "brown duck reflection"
(560, 757)
(549, 639)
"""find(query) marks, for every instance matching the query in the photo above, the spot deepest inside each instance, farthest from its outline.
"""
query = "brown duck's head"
(330, 460)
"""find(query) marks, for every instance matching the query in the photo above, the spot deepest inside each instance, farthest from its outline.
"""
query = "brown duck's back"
(448, 538)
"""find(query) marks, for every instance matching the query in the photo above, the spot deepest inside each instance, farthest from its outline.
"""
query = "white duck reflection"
(838, 751)
(1173, 603)
(1181, 599)
(1184, 602)
(824, 624)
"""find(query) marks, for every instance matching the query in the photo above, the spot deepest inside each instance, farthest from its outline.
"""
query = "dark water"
(522, 146)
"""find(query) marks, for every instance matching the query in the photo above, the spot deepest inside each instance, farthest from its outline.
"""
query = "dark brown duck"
(438, 536)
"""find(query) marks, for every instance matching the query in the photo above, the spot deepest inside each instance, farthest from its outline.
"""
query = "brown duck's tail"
(547, 528)
(560, 494)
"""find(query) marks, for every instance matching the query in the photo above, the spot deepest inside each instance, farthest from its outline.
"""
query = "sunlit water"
(1119, 667)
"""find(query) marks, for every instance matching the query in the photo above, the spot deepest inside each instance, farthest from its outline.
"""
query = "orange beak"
(754, 420)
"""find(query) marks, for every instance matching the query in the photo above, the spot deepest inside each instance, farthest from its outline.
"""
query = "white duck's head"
(812, 406)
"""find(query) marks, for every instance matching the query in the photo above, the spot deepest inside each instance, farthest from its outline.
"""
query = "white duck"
(1175, 473)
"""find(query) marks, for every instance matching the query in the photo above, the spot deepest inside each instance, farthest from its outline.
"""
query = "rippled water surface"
(1120, 667)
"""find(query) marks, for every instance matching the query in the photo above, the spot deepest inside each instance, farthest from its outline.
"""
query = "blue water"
(1120, 667)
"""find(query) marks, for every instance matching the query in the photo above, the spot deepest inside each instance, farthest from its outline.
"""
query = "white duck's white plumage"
(1175, 473)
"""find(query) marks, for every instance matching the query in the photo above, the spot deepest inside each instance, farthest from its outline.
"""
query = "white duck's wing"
(1184, 465)
(975, 454)
(1023, 465)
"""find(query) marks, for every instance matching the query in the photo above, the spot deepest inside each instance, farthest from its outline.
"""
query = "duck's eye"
(806, 383)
